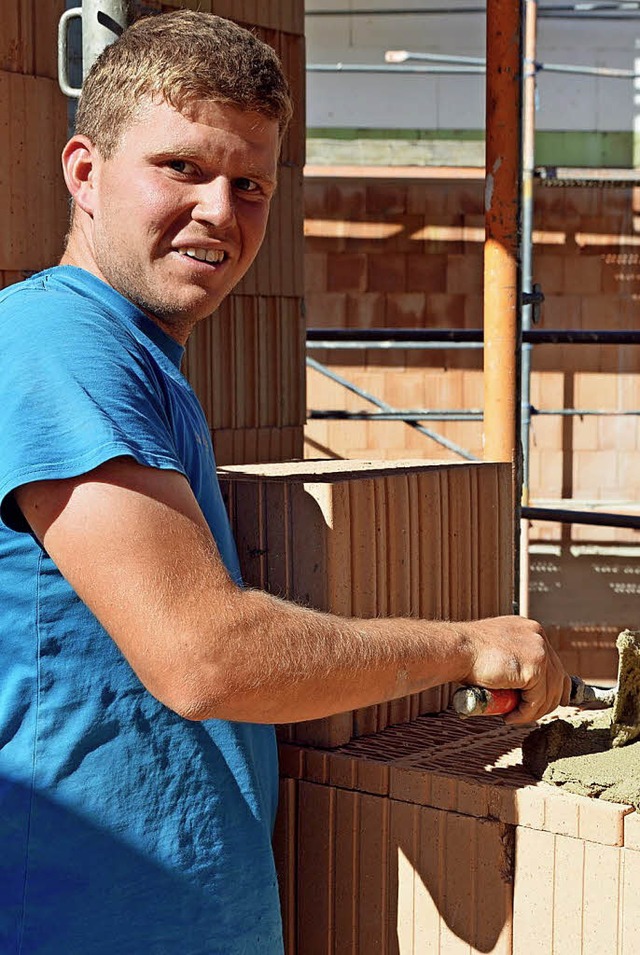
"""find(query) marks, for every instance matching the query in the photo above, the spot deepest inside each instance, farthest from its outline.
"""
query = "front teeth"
(204, 255)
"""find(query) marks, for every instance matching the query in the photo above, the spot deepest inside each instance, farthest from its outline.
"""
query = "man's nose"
(216, 202)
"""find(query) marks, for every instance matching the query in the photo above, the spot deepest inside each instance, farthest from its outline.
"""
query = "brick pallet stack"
(353, 538)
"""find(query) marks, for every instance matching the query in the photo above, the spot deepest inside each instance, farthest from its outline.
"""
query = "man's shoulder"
(47, 308)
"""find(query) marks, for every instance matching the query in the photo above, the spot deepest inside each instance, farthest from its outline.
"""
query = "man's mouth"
(204, 255)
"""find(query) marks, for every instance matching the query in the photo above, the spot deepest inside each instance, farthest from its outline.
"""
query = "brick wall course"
(445, 844)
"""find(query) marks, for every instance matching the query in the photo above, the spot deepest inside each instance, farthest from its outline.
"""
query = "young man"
(138, 772)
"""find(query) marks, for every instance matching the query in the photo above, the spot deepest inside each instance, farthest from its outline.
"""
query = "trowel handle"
(478, 701)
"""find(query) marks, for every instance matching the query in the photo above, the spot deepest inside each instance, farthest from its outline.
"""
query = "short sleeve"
(76, 389)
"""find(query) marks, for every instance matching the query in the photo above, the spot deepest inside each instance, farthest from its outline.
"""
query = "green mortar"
(592, 753)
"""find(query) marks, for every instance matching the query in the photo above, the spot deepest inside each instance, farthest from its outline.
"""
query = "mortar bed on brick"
(471, 767)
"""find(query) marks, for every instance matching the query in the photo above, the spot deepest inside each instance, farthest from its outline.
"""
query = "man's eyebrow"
(179, 149)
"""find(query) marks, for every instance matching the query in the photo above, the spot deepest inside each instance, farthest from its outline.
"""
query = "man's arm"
(134, 545)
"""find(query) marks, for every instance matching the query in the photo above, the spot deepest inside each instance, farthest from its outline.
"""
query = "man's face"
(180, 209)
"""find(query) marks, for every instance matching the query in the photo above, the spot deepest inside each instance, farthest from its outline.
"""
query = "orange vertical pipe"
(502, 321)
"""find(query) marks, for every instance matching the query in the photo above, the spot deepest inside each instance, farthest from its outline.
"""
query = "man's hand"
(514, 653)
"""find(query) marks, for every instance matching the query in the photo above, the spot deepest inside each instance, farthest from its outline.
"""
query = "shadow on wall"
(422, 861)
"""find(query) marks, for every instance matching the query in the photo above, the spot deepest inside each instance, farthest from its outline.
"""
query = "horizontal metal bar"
(418, 415)
(457, 414)
(389, 68)
(567, 516)
(580, 412)
(381, 346)
(535, 336)
(401, 56)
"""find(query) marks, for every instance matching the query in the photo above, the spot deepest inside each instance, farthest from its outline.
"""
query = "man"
(138, 770)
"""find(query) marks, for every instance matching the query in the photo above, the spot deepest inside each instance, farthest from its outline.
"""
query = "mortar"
(593, 753)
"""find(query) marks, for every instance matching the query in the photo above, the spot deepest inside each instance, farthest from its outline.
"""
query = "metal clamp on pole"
(534, 298)
(102, 22)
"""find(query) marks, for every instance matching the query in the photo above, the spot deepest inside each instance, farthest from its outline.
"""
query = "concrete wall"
(577, 114)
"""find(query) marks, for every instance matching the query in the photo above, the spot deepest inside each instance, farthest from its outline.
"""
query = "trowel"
(624, 697)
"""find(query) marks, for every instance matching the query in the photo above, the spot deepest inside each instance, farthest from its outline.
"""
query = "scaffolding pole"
(502, 316)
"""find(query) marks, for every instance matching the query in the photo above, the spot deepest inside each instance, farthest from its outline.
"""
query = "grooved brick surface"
(443, 844)
(353, 538)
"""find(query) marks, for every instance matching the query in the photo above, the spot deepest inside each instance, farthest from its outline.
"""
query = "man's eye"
(246, 185)
(180, 165)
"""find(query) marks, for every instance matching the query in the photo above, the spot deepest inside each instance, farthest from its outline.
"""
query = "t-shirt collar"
(108, 295)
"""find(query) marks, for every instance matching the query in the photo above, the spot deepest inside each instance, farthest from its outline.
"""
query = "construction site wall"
(404, 248)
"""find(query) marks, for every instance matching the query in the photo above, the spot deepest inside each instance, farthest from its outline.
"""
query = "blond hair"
(179, 57)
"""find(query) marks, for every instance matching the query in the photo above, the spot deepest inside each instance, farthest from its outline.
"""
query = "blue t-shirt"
(123, 827)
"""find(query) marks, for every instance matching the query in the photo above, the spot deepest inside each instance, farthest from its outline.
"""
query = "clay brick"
(399, 541)
(562, 812)
(533, 892)
(502, 804)
(472, 798)
(285, 854)
(403, 847)
(560, 311)
(316, 766)
(326, 309)
(372, 889)
(343, 771)
(366, 310)
(426, 273)
(632, 831)
(531, 807)
(291, 761)
(464, 274)
(429, 880)
(444, 791)
(629, 909)
(315, 272)
(568, 876)
(386, 199)
(548, 271)
(492, 883)
(347, 868)
(410, 785)
(406, 310)
(316, 867)
(445, 310)
(373, 777)
(602, 822)
(386, 273)
(346, 272)
(582, 275)
(601, 893)
(346, 199)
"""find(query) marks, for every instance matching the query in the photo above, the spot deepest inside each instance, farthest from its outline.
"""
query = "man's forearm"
(274, 661)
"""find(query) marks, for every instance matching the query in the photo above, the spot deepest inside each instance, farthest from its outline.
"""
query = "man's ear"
(80, 160)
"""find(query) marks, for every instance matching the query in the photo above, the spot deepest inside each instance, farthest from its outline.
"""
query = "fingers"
(551, 688)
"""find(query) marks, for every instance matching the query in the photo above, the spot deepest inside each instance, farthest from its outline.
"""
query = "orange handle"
(478, 701)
